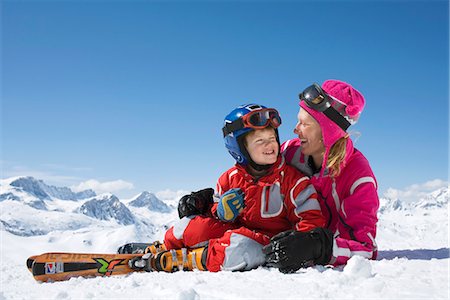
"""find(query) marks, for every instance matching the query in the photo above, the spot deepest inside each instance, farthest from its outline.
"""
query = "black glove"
(292, 250)
(132, 248)
(197, 203)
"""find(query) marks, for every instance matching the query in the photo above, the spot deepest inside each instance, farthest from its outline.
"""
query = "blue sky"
(133, 93)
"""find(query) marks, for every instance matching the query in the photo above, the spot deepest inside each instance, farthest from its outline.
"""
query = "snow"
(412, 238)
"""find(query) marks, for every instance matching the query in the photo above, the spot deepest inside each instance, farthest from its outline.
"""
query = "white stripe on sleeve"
(361, 181)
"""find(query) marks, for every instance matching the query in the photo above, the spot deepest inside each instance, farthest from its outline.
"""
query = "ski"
(61, 266)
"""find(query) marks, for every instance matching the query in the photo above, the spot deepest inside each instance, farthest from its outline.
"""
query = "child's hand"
(230, 205)
(196, 203)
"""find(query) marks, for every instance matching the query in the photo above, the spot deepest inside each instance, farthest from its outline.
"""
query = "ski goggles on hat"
(315, 98)
(257, 119)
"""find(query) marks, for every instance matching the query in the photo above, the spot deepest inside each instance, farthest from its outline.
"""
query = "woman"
(341, 175)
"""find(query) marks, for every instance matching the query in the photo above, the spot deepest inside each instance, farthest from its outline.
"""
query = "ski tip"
(30, 262)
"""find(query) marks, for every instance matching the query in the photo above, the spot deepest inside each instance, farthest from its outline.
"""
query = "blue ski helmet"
(234, 135)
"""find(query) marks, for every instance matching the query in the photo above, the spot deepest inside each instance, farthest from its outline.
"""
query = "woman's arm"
(356, 228)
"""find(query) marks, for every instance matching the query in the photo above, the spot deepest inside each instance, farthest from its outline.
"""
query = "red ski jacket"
(282, 200)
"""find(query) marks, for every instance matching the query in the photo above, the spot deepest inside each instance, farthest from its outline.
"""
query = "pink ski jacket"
(349, 201)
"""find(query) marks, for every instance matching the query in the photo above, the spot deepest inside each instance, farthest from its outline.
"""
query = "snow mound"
(358, 267)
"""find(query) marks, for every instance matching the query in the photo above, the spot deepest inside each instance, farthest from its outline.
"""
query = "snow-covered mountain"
(150, 201)
(436, 199)
(35, 193)
(43, 191)
(107, 207)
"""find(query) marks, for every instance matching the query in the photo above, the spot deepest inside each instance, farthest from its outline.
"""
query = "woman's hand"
(291, 250)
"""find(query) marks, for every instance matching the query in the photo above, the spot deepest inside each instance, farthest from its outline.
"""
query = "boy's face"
(262, 146)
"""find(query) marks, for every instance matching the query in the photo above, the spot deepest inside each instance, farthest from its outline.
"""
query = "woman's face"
(309, 133)
(262, 146)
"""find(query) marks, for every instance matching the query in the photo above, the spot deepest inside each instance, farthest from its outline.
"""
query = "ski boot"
(138, 248)
(180, 259)
(155, 247)
(171, 260)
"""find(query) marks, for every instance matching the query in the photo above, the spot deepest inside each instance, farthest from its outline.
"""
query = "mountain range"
(31, 207)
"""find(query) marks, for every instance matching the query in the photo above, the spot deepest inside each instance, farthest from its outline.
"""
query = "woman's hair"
(336, 156)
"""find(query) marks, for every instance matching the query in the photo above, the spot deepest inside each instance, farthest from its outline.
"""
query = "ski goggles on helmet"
(316, 98)
(257, 119)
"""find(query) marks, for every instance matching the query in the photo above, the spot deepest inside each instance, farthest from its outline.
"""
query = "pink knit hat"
(347, 101)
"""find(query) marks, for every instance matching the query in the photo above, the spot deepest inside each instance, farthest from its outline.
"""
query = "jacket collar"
(270, 174)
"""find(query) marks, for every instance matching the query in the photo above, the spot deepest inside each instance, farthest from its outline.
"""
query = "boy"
(257, 198)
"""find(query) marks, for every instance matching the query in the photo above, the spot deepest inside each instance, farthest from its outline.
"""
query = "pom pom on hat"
(346, 94)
